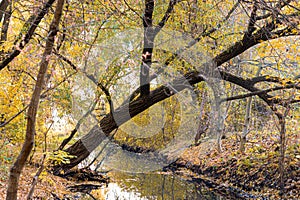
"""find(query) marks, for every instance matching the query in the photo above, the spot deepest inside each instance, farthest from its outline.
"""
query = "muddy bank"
(233, 178)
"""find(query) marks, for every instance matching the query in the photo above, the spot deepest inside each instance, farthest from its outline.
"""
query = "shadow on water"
(156, 186)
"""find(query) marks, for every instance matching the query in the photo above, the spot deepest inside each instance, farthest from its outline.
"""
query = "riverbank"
(254, 172)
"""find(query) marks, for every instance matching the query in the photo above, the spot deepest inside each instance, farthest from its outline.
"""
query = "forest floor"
(42, 190)
(48, 187)
(254, 172)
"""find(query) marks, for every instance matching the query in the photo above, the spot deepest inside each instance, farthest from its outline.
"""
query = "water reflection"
(114, 191)
(154, 186)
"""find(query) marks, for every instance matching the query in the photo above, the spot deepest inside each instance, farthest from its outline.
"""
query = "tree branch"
(13, 117)
(167, 15)
(23, 38)
(259, 92)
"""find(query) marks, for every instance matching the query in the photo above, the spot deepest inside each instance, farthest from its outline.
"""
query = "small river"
(154, 186)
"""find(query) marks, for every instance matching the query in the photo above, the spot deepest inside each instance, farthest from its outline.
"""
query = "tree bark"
(3, 6)
(5, 10)
(5, 25)
(149, 36)
(19, 164)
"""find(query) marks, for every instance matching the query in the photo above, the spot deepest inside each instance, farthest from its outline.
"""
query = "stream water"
(153, 186)
(133, 176)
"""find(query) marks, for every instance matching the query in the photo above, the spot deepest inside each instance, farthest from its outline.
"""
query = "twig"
(13, 117)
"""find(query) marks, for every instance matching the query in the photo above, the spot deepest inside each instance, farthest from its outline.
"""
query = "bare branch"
(259, 92)
(130, 8)
(251, 25)
(74, 131)
(92, 78)
(167, 15)
(13, 117)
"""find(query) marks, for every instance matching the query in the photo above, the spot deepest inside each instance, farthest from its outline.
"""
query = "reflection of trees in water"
(162, 187)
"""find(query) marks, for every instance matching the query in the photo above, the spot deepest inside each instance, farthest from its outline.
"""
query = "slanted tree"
(224, 29)
(261, 27)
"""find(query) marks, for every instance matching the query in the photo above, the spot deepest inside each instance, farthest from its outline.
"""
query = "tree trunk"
(84, 146)
(6, 21)
(247, 119)
(19, 164)
(219, 127)
(149, 35)
(282, 123)
(243, 141)
(246, 125)
(3, 6)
